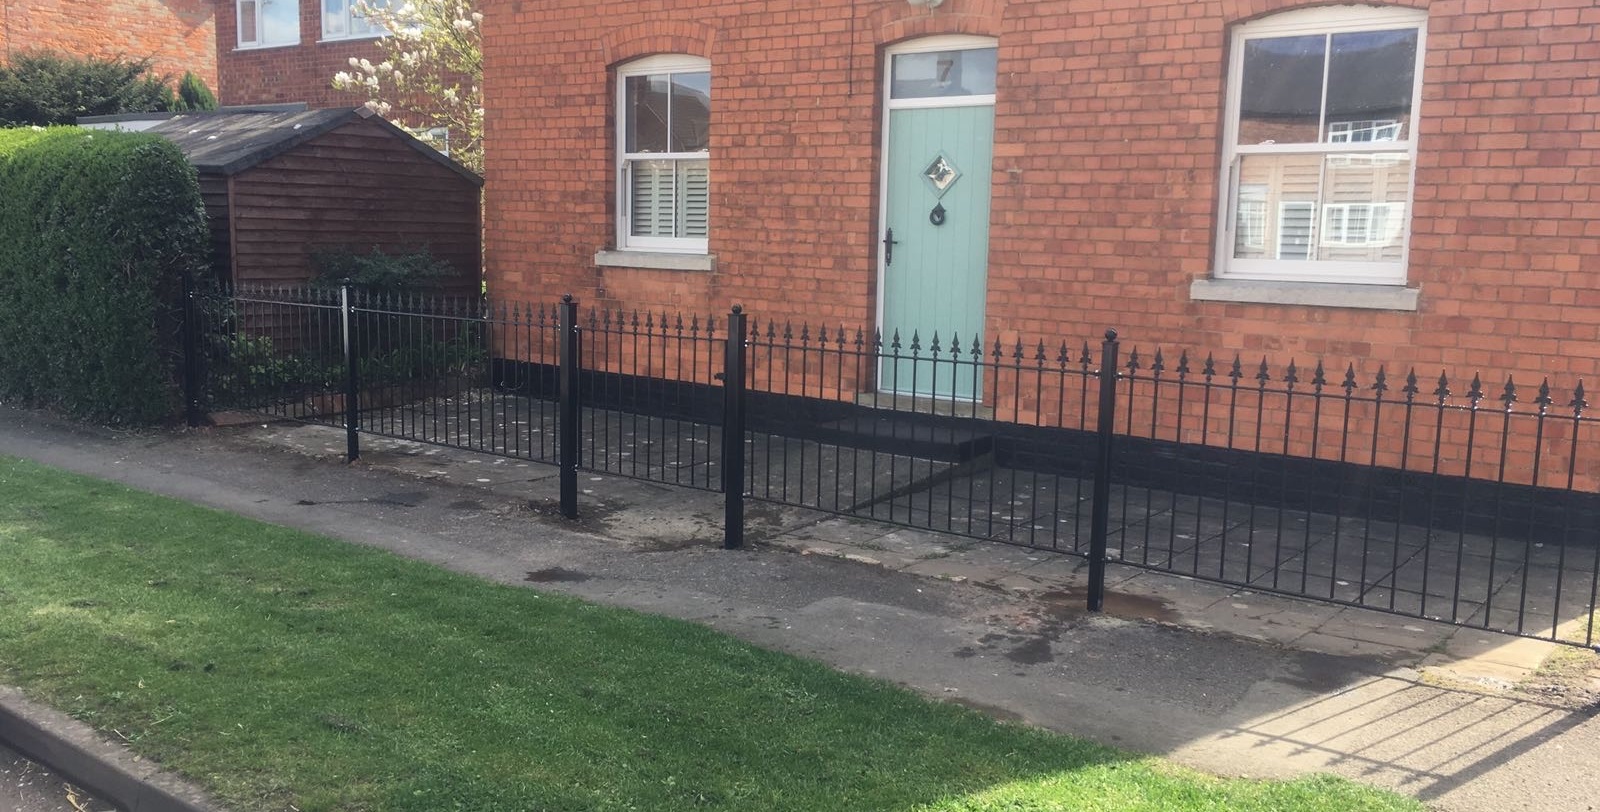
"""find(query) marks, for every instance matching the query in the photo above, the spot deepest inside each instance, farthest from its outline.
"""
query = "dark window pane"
(1371, 78)
(691, 112)
(945, 73)
(1282, 95)
(646, 109)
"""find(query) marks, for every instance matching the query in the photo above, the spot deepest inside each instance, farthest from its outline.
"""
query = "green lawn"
(288, 671)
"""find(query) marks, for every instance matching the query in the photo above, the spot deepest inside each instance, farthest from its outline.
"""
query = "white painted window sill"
(360, 38)
(1306, 294)
(267, 47)
(656, 260)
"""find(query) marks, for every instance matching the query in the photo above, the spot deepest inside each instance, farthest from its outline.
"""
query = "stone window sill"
(1306, 294)
(267, 47)
(656, 260)
(357, 38)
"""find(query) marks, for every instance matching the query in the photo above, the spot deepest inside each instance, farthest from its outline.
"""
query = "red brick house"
(274, 51)
(1406, 183)
(177, 35)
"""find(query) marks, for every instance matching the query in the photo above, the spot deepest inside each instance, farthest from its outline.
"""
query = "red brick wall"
(1087, 231)
(291, 73)
(1105, 176)
(178, 35)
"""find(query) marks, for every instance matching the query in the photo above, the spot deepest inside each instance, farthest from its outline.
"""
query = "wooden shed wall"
(356, 187)
(214, 193)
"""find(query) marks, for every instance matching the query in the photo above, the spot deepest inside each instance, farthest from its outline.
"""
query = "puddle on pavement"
(556, 575)
(1072, 603)
(1034, 652)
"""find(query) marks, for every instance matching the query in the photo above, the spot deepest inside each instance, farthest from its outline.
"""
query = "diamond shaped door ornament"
(941, 174)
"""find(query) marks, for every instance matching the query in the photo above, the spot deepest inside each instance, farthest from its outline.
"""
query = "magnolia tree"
(431, 76)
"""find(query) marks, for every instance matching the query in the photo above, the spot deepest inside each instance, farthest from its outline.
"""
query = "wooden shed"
(280, 187)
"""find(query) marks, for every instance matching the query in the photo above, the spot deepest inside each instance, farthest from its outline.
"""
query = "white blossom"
(430, 74)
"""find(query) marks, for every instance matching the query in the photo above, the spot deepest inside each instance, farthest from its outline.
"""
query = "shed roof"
(230, 142)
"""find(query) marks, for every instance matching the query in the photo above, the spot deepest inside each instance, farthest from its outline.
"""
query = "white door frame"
(945, 42)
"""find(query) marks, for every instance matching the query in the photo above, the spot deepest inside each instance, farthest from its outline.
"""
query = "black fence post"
(569, 412)
(733, 431)
(352, 384)
(1102, 472)
(191, 357)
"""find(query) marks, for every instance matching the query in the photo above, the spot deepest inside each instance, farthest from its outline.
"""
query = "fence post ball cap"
(738, 308)
(1111, 335)
(566, 298)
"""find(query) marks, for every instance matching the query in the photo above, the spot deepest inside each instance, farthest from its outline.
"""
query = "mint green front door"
(940, 147)
(935, 273)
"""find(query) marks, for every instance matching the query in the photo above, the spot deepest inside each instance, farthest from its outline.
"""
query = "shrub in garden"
(377, 271)
(97, 232)
(42, 88)
(194, 95)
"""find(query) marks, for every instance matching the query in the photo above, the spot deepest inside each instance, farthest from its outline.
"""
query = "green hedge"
(97, 232)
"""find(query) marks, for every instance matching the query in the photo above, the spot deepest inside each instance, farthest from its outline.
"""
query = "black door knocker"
(937, 215)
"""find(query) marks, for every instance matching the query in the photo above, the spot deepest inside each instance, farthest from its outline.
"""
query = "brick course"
(177, 35)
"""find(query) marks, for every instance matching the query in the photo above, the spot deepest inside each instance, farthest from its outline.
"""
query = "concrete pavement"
(28, 787)
(1171, 669)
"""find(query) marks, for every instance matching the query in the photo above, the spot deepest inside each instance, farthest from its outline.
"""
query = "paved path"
(1215, 701)
(27, 787)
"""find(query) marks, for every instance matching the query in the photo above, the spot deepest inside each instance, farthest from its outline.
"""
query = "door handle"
(889, 242)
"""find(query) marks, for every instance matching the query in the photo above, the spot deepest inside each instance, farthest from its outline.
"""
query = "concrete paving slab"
(1483, 658)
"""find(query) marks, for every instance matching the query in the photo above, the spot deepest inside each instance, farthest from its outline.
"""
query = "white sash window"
(664, 154)
(1321, 140)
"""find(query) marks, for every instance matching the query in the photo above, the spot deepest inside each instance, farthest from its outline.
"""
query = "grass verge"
(287, 671)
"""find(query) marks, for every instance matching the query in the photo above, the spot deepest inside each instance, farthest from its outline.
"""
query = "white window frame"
(238, 28)
(350, 17)
(1376, 223)
(651, 66)
(1320, 20)
(1253, 235)
(1340, 132)
(1310, 208)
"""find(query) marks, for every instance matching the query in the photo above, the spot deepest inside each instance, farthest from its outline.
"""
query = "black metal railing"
(1420, 497)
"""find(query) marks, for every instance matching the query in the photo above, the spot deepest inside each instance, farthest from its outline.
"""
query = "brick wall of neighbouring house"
(290, 73)
(1105, 181)
(177, 35)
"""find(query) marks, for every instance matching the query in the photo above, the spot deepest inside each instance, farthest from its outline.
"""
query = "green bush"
(97, 232)
(194, 95)
(42, 88)
(377, 271)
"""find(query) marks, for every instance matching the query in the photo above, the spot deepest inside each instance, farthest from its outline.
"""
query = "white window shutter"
(694, 181)
(653, 198)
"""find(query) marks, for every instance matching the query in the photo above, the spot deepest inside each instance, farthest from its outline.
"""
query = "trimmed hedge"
(97, 232)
